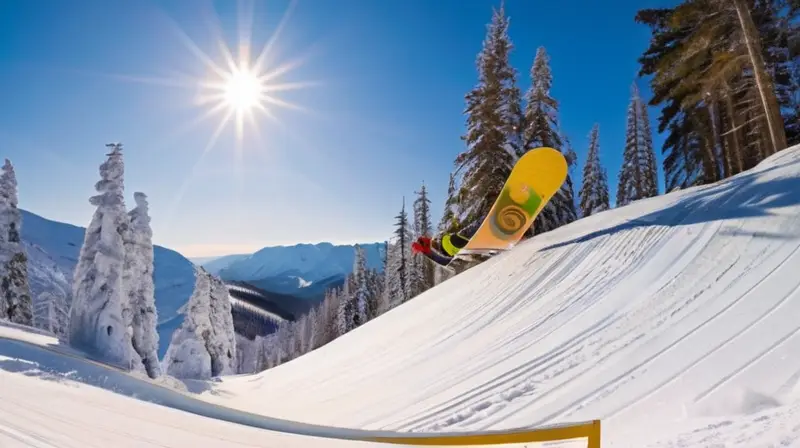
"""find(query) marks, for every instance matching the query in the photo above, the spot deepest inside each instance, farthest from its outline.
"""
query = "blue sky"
(379, 111)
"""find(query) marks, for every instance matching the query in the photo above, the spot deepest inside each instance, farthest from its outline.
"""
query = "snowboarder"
(441, 249)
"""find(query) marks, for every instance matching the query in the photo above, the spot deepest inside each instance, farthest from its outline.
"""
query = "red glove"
(422, 245)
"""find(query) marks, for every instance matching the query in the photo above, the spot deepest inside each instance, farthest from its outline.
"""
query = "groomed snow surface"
(675, 320)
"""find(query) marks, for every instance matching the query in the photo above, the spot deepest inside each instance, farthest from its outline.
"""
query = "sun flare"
(237, 86)
(243, 90)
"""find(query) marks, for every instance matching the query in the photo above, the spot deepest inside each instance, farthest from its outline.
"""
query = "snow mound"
(662, 314)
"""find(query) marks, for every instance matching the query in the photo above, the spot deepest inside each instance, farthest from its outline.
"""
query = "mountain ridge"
(303, 270)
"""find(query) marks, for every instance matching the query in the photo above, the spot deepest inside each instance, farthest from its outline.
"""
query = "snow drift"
(670, 311)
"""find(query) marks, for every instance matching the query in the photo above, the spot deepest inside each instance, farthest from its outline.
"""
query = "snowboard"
(535, 179)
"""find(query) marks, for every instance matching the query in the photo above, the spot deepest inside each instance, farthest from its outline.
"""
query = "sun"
(243, 90)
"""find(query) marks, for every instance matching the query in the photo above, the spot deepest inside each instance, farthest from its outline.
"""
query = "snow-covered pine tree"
(51, 312)
(449, 221)
(324, 319)
(400, 286)
(187, 356)
(390, 275)
(222, 345)
(100, 315)
(344, 318)
(493, 123)
(594, 191)
(423, 267)
(542, 129)
(204, 345)
(313, 328)
(138, 282)
(638, 175)
(651, 168)
(375, 285)
(15, 292)
(332, 315)
(299, 336)
(361, 290)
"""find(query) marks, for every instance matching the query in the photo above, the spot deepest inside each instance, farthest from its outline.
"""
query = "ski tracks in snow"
(716, 270)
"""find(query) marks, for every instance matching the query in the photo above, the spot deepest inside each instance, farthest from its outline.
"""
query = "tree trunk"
(734, 132)
(720, 149)
(763, 82)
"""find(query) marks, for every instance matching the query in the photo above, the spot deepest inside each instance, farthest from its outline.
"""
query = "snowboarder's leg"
(438, 258)
(452, 243)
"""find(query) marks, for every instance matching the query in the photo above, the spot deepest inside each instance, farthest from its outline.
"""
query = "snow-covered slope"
(305, 262)
(670, 313)
(674, 320)
(53, 249)
(53, 396)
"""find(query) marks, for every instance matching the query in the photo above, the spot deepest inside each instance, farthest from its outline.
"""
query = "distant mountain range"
(304, 271)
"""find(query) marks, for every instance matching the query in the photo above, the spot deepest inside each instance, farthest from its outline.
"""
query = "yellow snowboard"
(535, 179)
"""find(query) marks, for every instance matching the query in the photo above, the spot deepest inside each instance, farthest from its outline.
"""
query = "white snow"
(673, 319)
(303, 283)
(674, 312)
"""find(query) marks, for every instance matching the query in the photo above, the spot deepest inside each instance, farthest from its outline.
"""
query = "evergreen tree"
(541, 111)
(100, 315)
(649, 155)
(637, 176)
(15, 292)
(51, 312)
(542, 129)
(345, 313)
(361, 293)
(399, 286)
(423, 267)
(722, 73)
(204, 345)
(594, 191)
(222, 343)
(330, 316)
(390, 281)
(493, 125)
(375, 285)
(138, 280)
(449, 221)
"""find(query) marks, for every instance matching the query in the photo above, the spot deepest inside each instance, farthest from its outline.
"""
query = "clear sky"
(377, 89)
